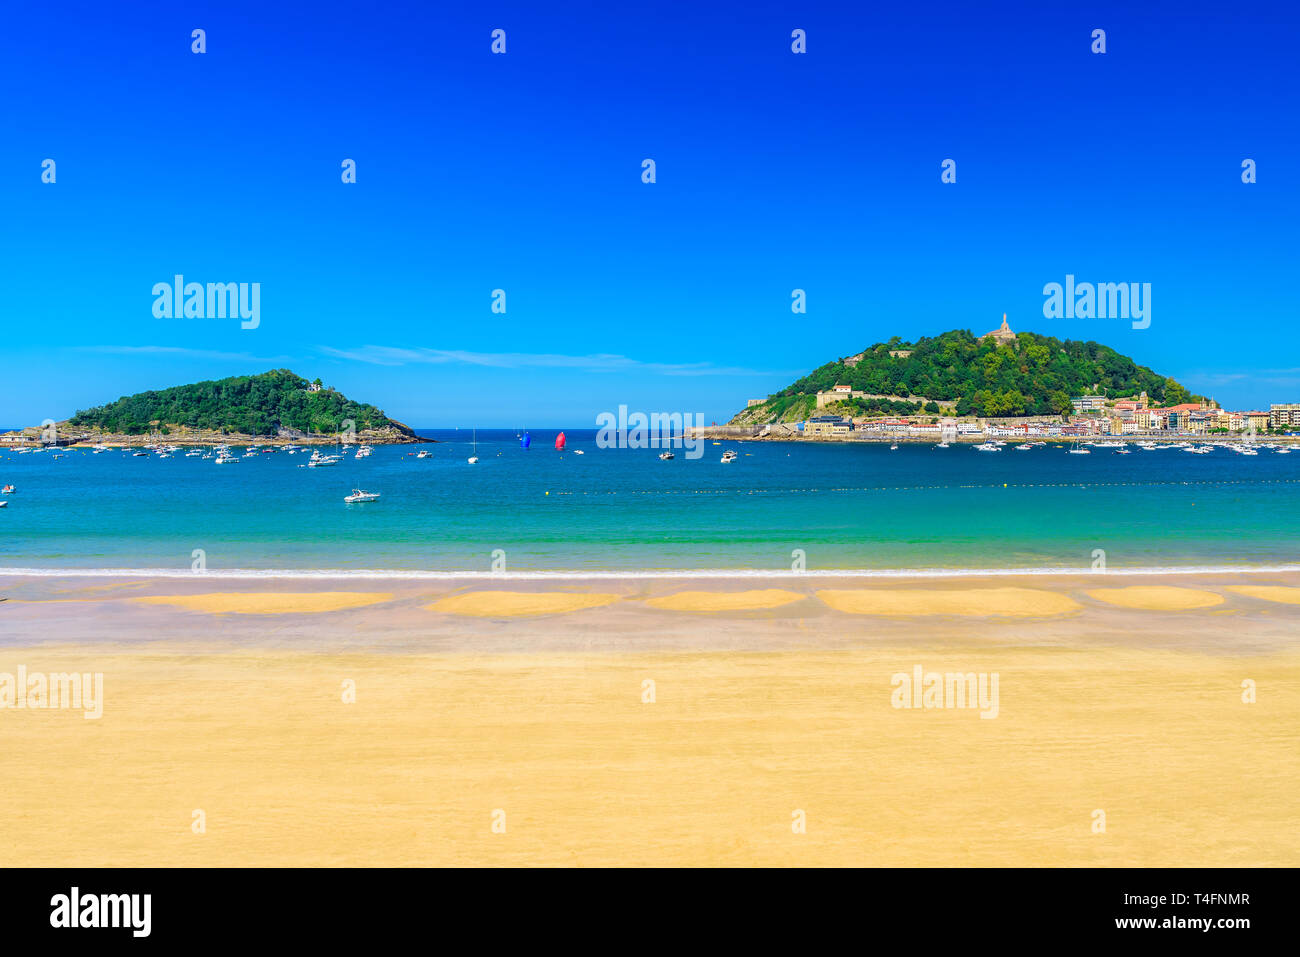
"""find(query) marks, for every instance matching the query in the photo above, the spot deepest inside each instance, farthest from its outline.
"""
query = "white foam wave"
(571, 574)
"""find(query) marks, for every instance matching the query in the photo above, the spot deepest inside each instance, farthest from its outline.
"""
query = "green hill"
(248, 405)
(956, 373)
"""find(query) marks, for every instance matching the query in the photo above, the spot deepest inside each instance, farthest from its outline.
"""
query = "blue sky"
(522, 172)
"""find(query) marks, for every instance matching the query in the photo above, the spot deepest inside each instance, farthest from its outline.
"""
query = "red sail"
(559, 442)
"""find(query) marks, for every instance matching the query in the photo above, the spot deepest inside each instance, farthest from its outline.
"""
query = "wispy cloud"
(595, 362)
(181, 352)
(1256, 386)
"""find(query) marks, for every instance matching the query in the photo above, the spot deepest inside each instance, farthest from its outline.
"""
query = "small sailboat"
(473, 459)
(559, 442)
(359, 495)
(1076, 450)
(526, 441)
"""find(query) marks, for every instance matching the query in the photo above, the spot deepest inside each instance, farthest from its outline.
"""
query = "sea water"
(853, 508)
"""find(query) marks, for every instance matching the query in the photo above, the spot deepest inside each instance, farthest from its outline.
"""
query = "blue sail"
(526, 441)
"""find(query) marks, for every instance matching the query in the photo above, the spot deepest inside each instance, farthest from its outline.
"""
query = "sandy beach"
(640, 721)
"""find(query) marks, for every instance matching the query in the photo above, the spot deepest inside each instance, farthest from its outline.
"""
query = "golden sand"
(1288, 596)
(949, 601)
(753, 600)
(268, 603)
(1157, 597)
(587, 770)
(514, 604)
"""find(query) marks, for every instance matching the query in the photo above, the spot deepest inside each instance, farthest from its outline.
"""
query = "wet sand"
(654, 729)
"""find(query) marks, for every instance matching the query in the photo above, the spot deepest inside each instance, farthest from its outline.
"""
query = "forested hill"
(250, 405)
(1035, 375)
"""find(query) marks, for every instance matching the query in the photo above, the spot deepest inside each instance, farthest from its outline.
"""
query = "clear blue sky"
(523, 172)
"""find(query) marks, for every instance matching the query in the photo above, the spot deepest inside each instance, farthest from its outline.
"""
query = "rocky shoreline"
(72, 437)
(723, 433)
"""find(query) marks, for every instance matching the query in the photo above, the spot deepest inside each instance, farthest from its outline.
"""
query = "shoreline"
(632, 575)
(147, 441)
(1209, 612)
(1196, 438)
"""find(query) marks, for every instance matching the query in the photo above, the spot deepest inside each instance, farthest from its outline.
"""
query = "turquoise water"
(848, 507)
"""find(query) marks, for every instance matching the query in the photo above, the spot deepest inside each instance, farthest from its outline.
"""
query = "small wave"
(575, 574)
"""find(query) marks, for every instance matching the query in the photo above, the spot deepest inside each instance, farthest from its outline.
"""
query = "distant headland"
(960, 386)
(276, 405)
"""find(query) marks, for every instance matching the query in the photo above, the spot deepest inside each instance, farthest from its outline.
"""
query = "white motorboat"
(226, 459)
(359, 495)
(423, 455)
(728, 456)
(665, 456)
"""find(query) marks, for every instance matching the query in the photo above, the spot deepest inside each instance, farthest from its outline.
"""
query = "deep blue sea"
(845, 506)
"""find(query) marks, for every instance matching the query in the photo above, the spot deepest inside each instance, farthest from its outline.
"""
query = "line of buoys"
(922, 488)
